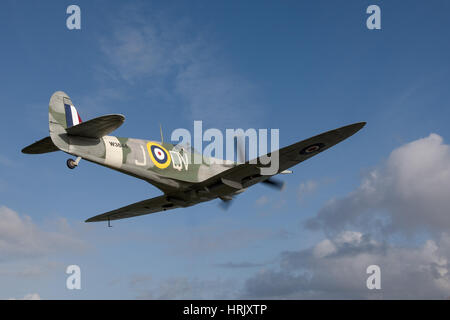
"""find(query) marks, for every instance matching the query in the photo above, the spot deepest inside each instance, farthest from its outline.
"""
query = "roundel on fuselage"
(159, 155)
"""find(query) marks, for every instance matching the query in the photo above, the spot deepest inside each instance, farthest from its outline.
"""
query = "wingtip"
(27, 150)
(358, 125)
(98, 218)
(351, 129)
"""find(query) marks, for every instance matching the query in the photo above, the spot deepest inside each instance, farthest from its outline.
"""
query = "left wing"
(136, 209)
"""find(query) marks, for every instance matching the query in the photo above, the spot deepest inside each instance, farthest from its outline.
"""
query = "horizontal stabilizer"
(98, 127)
(42, 146)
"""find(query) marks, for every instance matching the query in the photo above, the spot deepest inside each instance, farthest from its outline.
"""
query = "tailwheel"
(71, 164)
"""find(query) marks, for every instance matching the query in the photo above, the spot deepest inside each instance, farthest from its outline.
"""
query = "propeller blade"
(225, 202)
(240, 146)
(274, 183)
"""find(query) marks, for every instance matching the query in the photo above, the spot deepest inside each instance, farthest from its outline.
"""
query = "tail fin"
(64, 118)
(62, 111)
(62, 114)
(72, 115)
(65, 123)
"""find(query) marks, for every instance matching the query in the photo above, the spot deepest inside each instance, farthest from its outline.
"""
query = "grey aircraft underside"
(168, 167)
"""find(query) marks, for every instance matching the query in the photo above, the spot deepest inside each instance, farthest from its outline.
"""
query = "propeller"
(240, 146)
(271, 182)
(274, 183)
(225, 202)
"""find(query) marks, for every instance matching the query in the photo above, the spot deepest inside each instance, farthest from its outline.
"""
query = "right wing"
(136, 209)
(246, 174)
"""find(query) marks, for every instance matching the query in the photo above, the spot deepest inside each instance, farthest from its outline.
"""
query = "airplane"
(164, 165)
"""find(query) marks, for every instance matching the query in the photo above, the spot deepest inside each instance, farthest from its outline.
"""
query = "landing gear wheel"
(71, 164)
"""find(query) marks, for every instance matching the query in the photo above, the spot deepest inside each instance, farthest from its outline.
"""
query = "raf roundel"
(312, 148)
(159, 155)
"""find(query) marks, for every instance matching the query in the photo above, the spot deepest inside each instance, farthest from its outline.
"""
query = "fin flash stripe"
(72, 116)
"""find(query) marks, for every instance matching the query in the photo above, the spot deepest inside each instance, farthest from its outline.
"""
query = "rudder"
(62, 114)
(62, 110)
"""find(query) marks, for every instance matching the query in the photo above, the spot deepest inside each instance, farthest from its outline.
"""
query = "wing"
(247, 174)
(136, 209)
(241, 176)
(98, 127)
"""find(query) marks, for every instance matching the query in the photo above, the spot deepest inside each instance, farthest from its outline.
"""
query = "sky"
(303, 67)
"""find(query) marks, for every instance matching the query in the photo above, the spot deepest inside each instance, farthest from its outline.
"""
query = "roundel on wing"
(159, 155)
(312, 148)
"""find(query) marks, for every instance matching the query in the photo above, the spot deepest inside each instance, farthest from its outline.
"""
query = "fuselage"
(173, 169)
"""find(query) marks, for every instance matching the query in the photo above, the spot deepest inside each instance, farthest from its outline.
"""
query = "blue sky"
(303, 67)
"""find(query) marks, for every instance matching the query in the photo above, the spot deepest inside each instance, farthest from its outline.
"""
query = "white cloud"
(335, 268)
(36, 269)
(261, 201)
(306, 188)
(32, 296)
(21, 238)
(172, 59)
(183, 288)
(138, 52)
(410, 192)
(29, 296)
(324, 248)
(407, 194)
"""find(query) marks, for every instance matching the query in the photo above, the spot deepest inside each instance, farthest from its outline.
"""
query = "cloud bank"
(21, 238)
(409, 193)
(176, 62)
(406, 196)
(335, 268)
